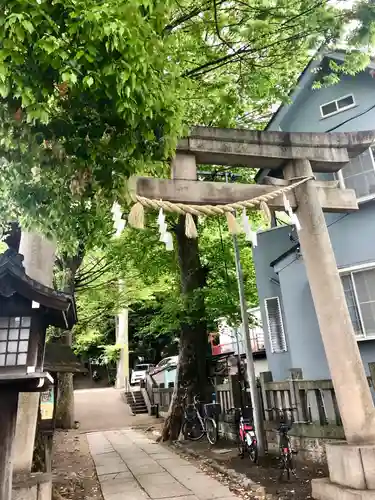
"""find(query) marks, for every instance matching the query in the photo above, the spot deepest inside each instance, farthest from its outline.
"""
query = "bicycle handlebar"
(280, 409)
(195, 398)
(229, 410)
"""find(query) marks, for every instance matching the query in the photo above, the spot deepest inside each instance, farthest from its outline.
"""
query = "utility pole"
(250, 368)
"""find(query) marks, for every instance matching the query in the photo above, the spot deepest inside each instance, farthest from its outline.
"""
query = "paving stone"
(205, 487)
(134, 495)
(109, 469)
(118, 438)
(104, 458)
(162, 455)
(187, 472)
(124, 486)
(133, 457)
(98, 443)
(109, 464)
(139, 467)
(131, 467)
(232, 497)
(156, 448)
(174, 462)
(118, 476)
(162, 486)
(189, 497)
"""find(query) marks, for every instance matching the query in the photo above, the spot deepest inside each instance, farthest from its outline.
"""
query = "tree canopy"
(93, 92)
(151, 288)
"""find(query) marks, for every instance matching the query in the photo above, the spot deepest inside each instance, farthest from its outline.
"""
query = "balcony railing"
(257, 344)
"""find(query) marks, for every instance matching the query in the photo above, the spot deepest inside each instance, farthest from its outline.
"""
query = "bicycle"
(286, 463)
(247, 441)
(195, 426)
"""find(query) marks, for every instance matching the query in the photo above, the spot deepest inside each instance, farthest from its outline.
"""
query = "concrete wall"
(306, 348)
(304, 341)
(352, 236)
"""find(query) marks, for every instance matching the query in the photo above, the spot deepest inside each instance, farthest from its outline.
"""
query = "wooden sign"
(47, 403)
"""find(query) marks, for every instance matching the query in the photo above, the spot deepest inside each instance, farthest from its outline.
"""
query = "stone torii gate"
(298, 155)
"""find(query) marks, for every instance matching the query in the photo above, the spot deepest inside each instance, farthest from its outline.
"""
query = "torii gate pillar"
(351, 464)
(345, 364)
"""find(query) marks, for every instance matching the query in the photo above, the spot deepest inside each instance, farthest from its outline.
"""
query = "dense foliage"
(151, 290)
(92, 92)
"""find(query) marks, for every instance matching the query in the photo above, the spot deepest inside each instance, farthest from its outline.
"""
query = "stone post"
(39, 258)
(265, 378)
(122, 339)
(295, 397)
(8, 416)
(345, 364)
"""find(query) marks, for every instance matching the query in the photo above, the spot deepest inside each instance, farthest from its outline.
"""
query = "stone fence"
(315, 417)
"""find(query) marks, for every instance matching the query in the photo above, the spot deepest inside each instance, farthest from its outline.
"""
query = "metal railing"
(257, 344)
(129, 389)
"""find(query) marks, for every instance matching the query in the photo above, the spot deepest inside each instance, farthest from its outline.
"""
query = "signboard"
(47, 404)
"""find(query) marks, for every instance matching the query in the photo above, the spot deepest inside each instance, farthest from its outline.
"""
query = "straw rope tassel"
(136, 217)
(190, 227)
(267, 212)
(233, 225)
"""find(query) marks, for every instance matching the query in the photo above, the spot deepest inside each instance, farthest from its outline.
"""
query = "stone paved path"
(131, 466)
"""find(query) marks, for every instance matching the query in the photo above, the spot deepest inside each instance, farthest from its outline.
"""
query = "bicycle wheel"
(211, 430)
(253, 453)
(192, 429)
(291, 466)
(241, 446)
(284, 467)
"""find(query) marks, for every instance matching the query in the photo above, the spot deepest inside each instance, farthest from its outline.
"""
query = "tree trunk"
(65, 401)
(191, 372)
(65, 393)
(65, 389)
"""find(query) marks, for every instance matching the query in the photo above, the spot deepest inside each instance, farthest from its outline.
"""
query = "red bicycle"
(247, 441)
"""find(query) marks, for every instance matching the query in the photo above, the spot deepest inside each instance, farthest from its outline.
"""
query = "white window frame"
(338, 110)
(341, 179)
(350, 271)
(283, 344)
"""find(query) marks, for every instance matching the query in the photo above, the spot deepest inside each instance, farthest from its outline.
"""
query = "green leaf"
(4, 90)
(28, 25)
(88, 80)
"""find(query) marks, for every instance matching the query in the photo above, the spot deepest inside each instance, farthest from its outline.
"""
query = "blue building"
(292, 337)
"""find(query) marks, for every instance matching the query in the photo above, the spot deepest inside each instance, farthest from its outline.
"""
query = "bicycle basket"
(212, 410)
(247, 413)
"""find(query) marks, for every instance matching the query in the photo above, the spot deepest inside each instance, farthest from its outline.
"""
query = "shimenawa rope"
(136, 216)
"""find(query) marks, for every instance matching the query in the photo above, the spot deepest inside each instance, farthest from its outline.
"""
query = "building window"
(359, 288)
(14, 341)
(275, 325)
(359, 175)
(336, 106)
